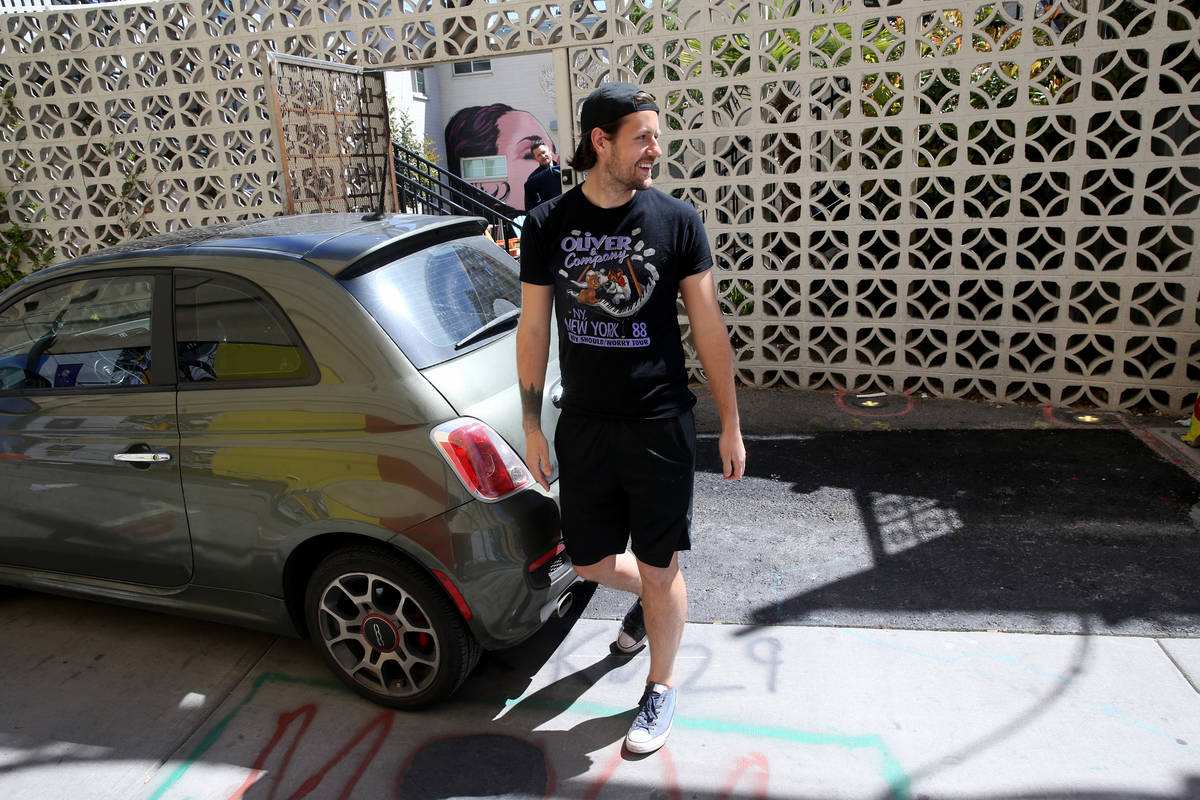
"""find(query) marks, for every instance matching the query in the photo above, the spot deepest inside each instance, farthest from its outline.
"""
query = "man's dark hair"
(584, 157)
(535, 142)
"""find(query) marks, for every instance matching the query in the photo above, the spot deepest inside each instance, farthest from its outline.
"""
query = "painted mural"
(496, 130)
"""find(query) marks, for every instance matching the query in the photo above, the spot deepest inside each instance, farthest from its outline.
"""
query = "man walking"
(544, 182)
(610, 257)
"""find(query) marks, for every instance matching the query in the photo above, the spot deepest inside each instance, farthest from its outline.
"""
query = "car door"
(88, 434)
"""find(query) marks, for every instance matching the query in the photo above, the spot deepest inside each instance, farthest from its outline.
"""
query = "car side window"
(89, 333)
(228, 330)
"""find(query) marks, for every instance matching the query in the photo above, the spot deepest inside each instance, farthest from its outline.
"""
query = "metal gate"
(334, 138)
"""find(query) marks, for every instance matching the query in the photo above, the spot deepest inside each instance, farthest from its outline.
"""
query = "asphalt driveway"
(1007, 518)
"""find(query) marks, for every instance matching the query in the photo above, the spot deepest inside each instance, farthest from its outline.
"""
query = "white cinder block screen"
(968, 199)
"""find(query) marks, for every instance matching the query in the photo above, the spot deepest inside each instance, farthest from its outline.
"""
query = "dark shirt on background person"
(546, 181)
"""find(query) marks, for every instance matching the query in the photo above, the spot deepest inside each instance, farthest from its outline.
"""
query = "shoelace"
(649, 710)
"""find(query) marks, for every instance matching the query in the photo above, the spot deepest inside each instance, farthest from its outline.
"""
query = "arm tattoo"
(531, 407)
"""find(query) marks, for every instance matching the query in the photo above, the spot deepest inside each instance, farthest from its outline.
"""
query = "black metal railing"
(425, 188)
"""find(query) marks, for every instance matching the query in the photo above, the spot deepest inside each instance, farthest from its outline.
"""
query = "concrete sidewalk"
(106, 703)
(143, 706)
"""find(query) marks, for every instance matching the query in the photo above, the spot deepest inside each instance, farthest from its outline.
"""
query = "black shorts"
(623, 481)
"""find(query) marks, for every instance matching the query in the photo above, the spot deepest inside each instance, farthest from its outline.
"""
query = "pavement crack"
(217, 704)
(1179, 667)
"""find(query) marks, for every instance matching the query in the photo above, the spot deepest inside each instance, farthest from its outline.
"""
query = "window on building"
(418, 79)
(485, 168)
(473, 67)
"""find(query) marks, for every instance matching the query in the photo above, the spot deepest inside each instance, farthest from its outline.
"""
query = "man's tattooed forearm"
(531, 406)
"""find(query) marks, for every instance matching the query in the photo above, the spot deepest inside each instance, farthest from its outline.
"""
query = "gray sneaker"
(633, 630)
(652, 724)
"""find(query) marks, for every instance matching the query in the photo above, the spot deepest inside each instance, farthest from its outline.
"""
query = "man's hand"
(537, 457)
(733, 454)
(711, 340)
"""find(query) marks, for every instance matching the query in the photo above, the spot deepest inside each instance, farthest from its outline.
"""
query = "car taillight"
(484, 462)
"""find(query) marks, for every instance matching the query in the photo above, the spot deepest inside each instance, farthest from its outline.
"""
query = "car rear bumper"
(503, 559)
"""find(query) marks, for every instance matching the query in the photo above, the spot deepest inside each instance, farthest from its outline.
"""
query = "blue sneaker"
(633, 630)
(652, 724)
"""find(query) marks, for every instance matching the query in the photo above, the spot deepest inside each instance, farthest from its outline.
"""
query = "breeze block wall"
(968, 199)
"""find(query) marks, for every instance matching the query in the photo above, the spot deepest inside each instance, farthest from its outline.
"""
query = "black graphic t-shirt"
(616, 274)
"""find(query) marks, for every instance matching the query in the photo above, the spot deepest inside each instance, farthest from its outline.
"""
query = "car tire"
(386, 629)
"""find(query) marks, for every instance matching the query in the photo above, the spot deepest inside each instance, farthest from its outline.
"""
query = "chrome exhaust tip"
(563, 605)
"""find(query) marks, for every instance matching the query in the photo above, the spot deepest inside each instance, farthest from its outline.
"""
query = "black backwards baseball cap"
(609, 103)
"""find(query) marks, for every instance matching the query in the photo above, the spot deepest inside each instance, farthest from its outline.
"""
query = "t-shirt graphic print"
(609, 274)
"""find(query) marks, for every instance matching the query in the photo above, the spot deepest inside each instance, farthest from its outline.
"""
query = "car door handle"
(142, 458)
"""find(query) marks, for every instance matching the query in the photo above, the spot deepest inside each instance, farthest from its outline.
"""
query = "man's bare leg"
(616, 572)
(664, 599)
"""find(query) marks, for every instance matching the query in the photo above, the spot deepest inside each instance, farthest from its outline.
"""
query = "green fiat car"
(306, 425)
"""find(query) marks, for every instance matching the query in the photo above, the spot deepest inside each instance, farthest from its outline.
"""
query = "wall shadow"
(1086, 523)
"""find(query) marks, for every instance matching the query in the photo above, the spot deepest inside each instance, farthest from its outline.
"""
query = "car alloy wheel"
(386, 629)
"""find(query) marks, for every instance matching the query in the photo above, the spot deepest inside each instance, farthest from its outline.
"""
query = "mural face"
(496, 130)
(518, 129)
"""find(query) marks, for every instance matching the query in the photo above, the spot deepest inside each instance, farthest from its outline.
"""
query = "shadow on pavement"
(131, 688)
(1007, 529)
(503, 676)
(1190, 791)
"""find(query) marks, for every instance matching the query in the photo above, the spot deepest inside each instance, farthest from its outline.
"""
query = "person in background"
(546, 181)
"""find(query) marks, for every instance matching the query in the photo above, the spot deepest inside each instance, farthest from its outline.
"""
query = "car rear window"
(431, 301)
(228, 330)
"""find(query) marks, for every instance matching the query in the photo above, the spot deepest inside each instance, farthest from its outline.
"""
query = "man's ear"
(599, 139)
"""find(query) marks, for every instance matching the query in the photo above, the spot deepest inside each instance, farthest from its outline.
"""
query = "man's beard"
(633, 181)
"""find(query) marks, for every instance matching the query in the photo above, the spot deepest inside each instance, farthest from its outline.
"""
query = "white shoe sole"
(630, 649)
(650, 746)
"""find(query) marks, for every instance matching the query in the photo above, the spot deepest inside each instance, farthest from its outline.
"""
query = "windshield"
(431, 301)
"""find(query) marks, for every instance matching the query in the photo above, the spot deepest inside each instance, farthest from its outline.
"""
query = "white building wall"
(523, 82)
(425, 110)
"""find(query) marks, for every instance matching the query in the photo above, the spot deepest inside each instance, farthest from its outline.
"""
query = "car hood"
(483, 384)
